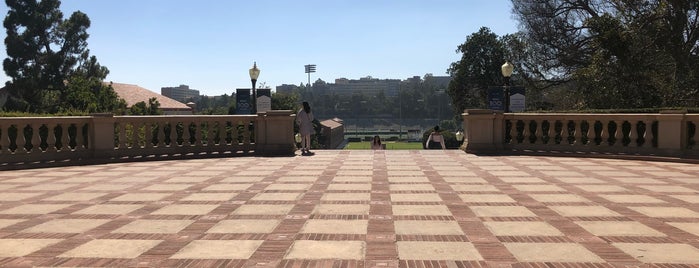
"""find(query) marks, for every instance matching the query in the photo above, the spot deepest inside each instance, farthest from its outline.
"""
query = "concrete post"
(101, 135)
(672, 131)
(483, 130)
(276, 136)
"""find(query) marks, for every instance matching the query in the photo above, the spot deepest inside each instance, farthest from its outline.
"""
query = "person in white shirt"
(305, 121)
(435, 136)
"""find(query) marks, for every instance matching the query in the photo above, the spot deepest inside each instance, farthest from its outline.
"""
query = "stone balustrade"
(669, 133)
(25, 140)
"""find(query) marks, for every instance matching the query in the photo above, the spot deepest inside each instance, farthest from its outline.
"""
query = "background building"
(133, 94)
(182, 93)
(366, 85)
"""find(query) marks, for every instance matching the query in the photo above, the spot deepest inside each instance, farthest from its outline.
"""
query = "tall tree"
(617, 53)
(45, 54)
(479, 67)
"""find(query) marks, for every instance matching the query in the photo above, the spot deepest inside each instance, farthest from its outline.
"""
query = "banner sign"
(496, 100)
(264, 100)
(517, 99)
(242, 101)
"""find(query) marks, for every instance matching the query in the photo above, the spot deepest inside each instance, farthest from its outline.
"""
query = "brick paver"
(354, 209)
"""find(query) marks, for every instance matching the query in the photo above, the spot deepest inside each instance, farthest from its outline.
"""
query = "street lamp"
(507, 69)
(254, 73)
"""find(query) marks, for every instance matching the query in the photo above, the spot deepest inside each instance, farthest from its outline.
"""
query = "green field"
(390, 145)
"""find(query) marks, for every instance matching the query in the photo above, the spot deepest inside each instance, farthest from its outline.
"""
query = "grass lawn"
(390, 145)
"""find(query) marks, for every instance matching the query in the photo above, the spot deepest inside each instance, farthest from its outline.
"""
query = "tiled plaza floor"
(354, 209)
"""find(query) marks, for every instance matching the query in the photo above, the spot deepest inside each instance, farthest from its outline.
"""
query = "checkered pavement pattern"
(431, 208)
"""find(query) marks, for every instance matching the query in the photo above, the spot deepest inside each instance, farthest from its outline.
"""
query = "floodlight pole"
(310, 68)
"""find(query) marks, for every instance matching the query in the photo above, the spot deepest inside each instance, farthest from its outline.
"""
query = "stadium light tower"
(310, 68)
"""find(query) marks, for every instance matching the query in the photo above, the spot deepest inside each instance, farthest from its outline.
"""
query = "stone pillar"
(671, 132)
(483, 131)
(101, 135)
(275, 133)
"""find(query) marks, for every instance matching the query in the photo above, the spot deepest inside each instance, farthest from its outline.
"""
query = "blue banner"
(242, 101)
(496, 100)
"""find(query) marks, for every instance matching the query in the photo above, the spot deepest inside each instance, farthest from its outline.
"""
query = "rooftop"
(133, 94)
(353, 209)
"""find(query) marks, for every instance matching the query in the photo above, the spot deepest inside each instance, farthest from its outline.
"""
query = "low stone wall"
(669, 133)
(26, 140)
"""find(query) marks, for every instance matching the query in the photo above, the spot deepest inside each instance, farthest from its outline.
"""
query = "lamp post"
(506, 70)
(254, 74)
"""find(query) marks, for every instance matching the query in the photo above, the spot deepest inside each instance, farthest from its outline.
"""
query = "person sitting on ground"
(376, 143)
(435, 136)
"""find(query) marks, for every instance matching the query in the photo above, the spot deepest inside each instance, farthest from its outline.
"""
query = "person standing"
(435, 136)
(304, 119)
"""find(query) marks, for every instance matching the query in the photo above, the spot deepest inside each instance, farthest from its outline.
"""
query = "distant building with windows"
(369, 86)
(182, 93)
(366, 85)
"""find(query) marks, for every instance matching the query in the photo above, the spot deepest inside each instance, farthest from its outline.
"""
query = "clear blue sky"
(210, 45)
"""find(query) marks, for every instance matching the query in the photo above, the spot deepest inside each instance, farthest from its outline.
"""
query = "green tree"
(482, 55)
(282, 101)
(45, 55)
(143, 108)
(616, 54)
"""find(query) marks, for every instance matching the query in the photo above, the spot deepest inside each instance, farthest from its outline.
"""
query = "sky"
(211, 45)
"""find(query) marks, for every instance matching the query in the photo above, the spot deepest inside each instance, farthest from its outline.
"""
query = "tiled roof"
(133, 94)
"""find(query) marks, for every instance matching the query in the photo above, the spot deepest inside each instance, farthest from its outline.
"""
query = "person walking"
(435, 136)
(304, 119)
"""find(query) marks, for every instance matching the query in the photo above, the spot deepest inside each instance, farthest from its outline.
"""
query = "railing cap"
(677, 111)
(102, 114)
(278, 112)
(479, 111)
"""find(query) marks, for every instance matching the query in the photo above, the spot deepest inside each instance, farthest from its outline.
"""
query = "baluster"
(578, 133)
(246, 133)
(51, 138)
(221, 133)
(168, 136)
(185, 134)
(122, 135)
(619, 134)
(564, 133)
(138, 138)
(36, 139)
(149, 135)
(633, 135)
(79, 138)
(605, 133)
(65, 139)
(539, 133)
(585, 133)
(198, 134)
(209, 133)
